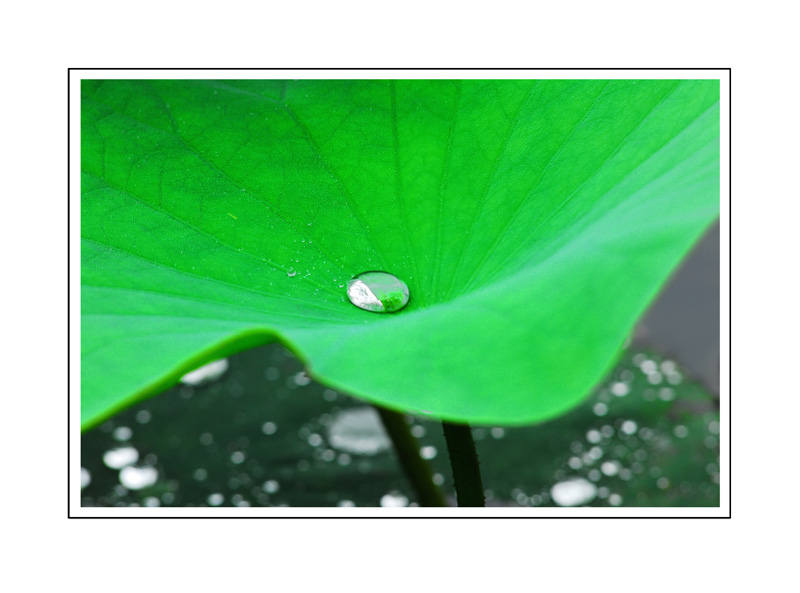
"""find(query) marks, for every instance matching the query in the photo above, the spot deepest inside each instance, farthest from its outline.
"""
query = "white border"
(75, 510)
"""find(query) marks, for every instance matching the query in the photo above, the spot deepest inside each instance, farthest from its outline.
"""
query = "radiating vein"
(553, 156)
(265, 315)
(487, 185)
(201, 231)
(606, 213)
(235, 183)
(238, 287)
(480, 265)
(439, 212)
(342, 185)
(398, 197)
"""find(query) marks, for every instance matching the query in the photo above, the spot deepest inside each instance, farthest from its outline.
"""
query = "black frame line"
(730, 286)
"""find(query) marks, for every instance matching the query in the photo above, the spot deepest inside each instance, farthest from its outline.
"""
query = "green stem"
(464, 461)
(407, 449)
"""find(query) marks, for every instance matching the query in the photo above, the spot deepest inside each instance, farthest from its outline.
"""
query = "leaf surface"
(533, 222)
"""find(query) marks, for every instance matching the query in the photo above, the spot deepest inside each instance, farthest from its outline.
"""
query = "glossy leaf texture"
(533, 222)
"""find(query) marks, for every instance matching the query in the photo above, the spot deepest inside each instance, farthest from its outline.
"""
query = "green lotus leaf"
(533, 222)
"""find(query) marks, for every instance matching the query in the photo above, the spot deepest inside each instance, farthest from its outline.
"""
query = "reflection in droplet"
(378, 292)
(291, 272)
(573, 492)
(136, 478)
(206, 373)
(358, 431)
(120, 457)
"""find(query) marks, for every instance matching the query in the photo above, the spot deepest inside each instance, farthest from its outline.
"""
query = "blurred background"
(254, 430)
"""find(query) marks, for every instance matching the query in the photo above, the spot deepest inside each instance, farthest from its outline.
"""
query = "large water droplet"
(378, 292)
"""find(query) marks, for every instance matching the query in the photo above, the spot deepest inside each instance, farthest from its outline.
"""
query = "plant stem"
(407, 449)
(464, 461)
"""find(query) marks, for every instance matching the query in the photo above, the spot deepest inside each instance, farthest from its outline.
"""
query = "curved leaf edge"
(249, 339)
(252, 338)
